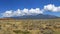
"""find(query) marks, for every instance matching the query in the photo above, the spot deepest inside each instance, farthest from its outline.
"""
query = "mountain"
(39, 16)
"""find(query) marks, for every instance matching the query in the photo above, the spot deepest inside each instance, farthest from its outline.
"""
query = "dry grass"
(30, 26)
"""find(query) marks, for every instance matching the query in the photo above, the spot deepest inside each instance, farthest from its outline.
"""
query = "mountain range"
(39, 16)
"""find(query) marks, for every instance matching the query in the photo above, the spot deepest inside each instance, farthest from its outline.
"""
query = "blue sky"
(6, 5)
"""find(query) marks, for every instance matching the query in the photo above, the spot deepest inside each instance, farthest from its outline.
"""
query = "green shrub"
(21, 32)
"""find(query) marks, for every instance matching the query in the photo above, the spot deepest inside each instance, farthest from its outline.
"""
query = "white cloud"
(7, 14)
(25, 11)
(52, 8)
(19, 12)
(35, 11)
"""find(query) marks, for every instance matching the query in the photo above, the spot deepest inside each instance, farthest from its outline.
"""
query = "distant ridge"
(6, 18)
(39, 16)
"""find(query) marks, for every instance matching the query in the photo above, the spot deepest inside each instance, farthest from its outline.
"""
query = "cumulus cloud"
(7, 13)
(52, 7)
(18, 12)
(23, 12)
(36, 11)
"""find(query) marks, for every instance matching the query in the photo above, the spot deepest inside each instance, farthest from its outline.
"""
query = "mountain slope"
(40, 16)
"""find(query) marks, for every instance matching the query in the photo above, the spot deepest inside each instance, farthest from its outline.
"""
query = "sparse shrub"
(0, 26)
(21, 32)
(48, 31)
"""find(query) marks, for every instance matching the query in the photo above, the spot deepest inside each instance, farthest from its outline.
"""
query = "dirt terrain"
(29, 26)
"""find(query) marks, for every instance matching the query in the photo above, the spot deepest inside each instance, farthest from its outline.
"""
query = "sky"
(9, 8)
